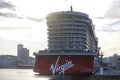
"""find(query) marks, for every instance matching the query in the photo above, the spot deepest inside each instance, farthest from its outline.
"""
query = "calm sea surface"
(28, 74)
(20, 74)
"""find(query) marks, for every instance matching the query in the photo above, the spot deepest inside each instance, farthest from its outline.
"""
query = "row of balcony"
(67, 28)
(68, 43)
(67, 35)
(61, 33)
(67, 48)
(68, 20)
(66, 24)
(67, 38)
(67, 15)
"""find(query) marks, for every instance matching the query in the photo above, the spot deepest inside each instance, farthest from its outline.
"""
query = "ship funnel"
(71, 8)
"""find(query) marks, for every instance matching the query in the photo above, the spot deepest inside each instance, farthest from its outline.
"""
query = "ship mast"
(71, 8)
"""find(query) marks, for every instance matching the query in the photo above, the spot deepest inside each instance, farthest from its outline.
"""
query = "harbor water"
(28, 74)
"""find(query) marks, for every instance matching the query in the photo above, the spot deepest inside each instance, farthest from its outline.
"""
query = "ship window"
(62, 57)
(87, 60)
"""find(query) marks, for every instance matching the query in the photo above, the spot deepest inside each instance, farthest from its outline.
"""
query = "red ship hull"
(64, 64)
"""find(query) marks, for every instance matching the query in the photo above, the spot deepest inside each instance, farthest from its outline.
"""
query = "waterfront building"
(23, 53)
(19, 47)
(10, 61)
(118, 63)
(113, 60)
(7, 61)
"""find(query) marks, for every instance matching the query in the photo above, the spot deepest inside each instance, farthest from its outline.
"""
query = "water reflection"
(28, 74)
(63, 77)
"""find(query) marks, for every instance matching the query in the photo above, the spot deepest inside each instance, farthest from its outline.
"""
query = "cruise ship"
(72, 45)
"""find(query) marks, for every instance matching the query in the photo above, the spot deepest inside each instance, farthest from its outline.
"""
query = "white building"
(23, 53)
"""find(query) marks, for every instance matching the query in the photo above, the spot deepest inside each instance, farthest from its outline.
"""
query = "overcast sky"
(23, 21)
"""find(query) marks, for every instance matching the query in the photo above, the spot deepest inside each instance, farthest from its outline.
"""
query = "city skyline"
(23, 21)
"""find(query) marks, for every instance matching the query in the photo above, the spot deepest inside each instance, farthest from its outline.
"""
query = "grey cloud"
(114, 10)
(100, 17)
(7, 5)
(12, 15)
(107, 30)
(9, 15)
(111, 27)
(115, 23)
(14, 28)
(36, 19)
